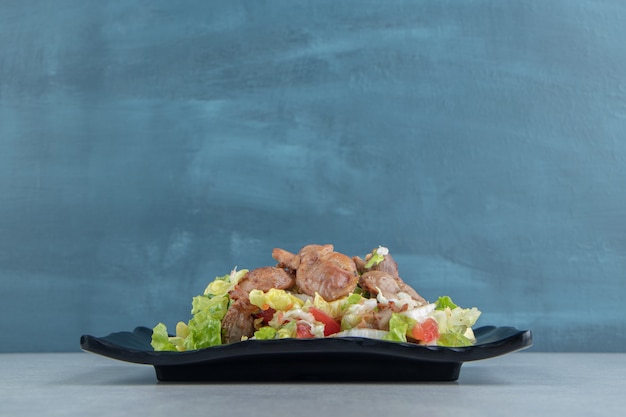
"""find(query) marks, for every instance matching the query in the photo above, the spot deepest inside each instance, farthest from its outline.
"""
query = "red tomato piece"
(330, 325)
(427, 331)
(303, 330)
(267, 314)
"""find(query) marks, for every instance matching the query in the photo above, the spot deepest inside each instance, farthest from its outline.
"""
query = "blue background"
(148, 146)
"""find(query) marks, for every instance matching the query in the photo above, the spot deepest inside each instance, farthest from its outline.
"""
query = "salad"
(315, 293)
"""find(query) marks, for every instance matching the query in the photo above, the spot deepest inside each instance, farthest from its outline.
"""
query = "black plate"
(329, 359)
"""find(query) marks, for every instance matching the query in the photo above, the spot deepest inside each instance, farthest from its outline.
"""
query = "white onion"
(369, 333)
(420, 314)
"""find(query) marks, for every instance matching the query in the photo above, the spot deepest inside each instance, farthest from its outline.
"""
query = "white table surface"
(518, 384)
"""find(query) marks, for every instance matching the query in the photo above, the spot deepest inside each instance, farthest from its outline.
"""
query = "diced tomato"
(266, 314)
(303, 330)
(330, 325)
(427, 331)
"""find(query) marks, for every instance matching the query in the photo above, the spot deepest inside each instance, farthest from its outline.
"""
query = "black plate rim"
(513, 340)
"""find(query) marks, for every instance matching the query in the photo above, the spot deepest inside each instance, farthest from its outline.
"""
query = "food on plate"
(315, 293)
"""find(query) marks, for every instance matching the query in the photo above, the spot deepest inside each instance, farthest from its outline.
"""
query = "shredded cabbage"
(369, 333)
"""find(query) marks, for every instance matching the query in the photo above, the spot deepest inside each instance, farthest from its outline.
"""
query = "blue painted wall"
(148, 146)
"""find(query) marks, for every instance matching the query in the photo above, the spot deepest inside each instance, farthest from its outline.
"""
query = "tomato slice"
(303, 330)
(330, 325)
(427, 331)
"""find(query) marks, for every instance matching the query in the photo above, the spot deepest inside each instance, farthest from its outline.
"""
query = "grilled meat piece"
(239, 319)
(264, 279)
(319, 269)
(389, 285)
(385, 277)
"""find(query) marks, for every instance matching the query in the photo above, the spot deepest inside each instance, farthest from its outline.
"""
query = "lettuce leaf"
(443, 302)
(336, 308)
(455, 323)
(399, 326)
(220, 286)
(454, 340)
(377, 256)
(279, 300)
(160, 339)
(214, 308)
(287, 331)
(265, 333)
(203, 330)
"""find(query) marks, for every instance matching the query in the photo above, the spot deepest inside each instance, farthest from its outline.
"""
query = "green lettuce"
(203, 333)
(287, 331)
(161, 340)
(454, 340)
(214, 308)
(443, 302)
(204, 329)
(455, 323)
(377, 256)
(279, 300)
(265, 333)
(399, 326)
(222, 285)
